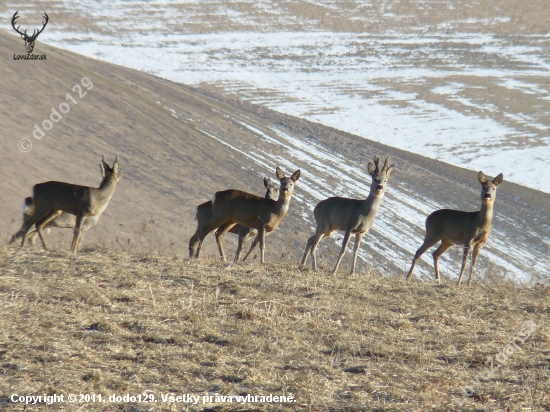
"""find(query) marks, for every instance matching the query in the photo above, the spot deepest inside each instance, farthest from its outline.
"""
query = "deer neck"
(106, 189)
(485, 215)
(372, 203)
(282, 204)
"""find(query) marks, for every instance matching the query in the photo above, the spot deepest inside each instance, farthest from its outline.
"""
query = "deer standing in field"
(350, 215)
(51, 199)
(204, 217)
(455, 227)
(231, 207)
(63, 221)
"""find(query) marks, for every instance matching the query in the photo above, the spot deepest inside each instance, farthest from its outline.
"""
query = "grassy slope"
(114, 323)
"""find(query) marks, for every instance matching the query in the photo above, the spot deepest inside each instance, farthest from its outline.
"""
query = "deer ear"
(498, 180)
(115, 165)
(104, 163)
(371, 169)
(280, 174)
(390, 170)
(102, 169)
(295, 176)
(481, 177)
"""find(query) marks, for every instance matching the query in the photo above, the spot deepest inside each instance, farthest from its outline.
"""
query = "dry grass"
(109, 322)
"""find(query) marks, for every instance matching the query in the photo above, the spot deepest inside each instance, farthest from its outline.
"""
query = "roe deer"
(349, 215)
(455, 227)
(51, 199)
(204, 217)
(63, 221)
(231, 207)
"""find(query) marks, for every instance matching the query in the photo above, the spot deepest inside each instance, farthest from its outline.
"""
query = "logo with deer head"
(29, 40)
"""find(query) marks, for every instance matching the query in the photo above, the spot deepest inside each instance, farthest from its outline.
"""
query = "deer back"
(455, 226)
(346, 214)
(61, 196)
(240, 207)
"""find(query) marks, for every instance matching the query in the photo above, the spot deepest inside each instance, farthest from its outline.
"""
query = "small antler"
(386, 165)
(377, 163)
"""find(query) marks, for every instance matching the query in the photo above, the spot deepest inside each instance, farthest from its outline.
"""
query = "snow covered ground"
(462, 91)
(472, 99)
(376, 94)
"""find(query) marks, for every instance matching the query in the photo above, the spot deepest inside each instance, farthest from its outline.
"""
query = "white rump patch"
(214, 199)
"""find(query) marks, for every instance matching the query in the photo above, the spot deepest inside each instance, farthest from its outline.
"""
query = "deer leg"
(309, 246)
(42, 223)
(475, 253)
(244, 234)
(314, 245)
(77, 233)
(428, 243)
(193, 243)
(464, 261)
(17, 235)
(252, 246)
(204, 232)
(220, 233)
(342, 251)
(242, 240)
(27, 227)
(32, 236)
(221, 249)
(443, 247)
(356, 244)
(261, 235)
(81, 236)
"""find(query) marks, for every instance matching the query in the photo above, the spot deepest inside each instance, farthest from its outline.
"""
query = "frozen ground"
(460, 90)
(468, 86)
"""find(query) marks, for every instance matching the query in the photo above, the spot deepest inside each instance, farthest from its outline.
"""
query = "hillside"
(179, 145)
(113, 323)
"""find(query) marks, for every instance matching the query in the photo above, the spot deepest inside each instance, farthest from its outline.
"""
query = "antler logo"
(29, 40)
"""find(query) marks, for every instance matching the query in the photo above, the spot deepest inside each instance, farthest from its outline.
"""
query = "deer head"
(29, 40)
(488, 187)
(287, 183)
(108, 171)
(380, 175)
